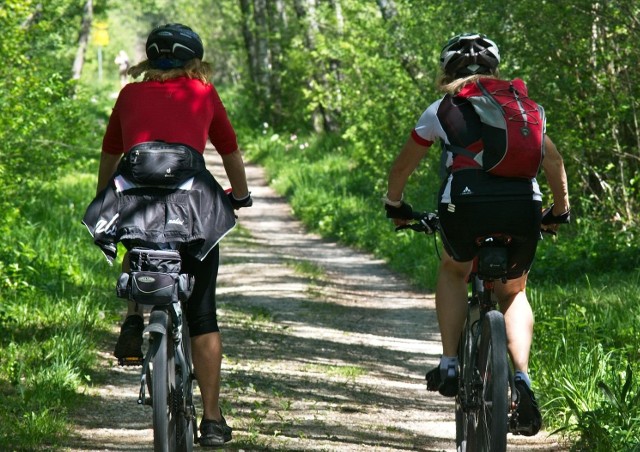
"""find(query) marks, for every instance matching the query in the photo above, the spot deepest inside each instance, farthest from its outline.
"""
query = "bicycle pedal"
(130, 361)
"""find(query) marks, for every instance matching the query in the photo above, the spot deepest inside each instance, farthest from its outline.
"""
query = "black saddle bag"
(161, 164)
(493, 262)
(155, 278)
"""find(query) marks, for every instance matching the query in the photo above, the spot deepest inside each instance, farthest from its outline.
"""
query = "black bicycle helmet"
(469, 54)
(171, 45)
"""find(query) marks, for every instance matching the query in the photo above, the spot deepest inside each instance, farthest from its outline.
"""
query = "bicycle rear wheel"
(186, 423)
(162, 380)
(466, 410)
(493, 365)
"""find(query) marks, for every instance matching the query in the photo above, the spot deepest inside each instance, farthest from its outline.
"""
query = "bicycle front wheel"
(494, 373)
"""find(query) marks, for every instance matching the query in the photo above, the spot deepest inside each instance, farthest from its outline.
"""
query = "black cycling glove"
(247, 201)
(404, 211)
(549, 218)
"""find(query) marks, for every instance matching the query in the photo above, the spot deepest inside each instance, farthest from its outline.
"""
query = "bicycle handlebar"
(427, 222)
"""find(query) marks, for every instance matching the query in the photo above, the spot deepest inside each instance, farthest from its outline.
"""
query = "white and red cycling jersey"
(453, 121)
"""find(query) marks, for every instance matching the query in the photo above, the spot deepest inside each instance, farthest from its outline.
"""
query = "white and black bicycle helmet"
(469, 54)
(171, 45)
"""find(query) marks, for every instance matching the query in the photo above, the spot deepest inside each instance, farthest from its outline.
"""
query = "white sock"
(522, 376)
(448, 366)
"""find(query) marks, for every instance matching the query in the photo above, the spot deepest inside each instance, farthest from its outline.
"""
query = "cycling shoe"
(447, 384)
(527, 419)
(129, 343)
(214, 433)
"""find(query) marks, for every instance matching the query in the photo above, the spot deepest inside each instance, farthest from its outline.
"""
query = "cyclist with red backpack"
(494, 143)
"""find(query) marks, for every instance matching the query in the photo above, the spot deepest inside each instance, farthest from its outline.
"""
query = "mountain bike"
(155, 280)
(486, 399)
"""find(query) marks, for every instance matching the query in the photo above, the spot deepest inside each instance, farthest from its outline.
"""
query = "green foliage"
(49, 312)
(583, 246)
(596, 402)
(586, 332)
(37, 102)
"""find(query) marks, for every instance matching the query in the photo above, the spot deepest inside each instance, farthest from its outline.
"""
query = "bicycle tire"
(162, 383)
(493, 415)
(465, 412)
(186, 420)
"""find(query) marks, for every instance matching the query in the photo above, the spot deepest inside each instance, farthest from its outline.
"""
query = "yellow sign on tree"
(100, 34)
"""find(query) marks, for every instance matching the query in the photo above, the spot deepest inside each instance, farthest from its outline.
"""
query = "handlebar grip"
(427, 222)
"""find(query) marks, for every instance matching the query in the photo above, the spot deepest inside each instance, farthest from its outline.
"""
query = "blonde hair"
(451, 85)
(194, 68)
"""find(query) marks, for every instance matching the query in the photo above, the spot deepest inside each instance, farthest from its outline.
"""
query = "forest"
(323, 94)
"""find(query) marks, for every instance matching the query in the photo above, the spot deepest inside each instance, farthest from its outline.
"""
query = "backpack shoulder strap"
(459, 150)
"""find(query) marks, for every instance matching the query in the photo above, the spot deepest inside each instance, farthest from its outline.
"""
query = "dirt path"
(325, 349)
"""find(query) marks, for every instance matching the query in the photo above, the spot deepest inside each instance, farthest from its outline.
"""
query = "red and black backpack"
(513, 128)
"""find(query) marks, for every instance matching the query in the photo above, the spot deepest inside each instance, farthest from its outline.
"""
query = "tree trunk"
(255, 30)
(390, 13)
(387, 8)
(33, 18)
(337, 8)
(249, 42)
(278, 36)
(83, 40)
(323, 117)
(262, 48)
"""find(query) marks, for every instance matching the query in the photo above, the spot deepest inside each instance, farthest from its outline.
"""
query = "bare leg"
(451, 301)
(134, 309)
(207, 362)
(518, 318)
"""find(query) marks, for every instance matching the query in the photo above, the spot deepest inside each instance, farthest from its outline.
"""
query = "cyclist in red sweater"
(176, 103)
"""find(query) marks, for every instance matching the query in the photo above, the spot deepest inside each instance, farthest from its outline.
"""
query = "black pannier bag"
(154, 278)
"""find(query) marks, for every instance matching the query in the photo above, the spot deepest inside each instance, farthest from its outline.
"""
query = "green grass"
(585, 360)
(53, 303)
(347, 373)
(308, 269)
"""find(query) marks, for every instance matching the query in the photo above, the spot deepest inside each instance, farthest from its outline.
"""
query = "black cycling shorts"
(518, 218)
(201, 307)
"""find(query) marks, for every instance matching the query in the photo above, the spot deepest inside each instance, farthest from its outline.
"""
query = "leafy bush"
(49, 312)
